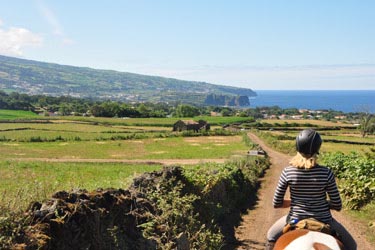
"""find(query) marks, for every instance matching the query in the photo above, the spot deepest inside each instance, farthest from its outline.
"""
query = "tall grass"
(24, 182)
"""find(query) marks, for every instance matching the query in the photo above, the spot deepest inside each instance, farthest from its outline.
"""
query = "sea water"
(339, 100)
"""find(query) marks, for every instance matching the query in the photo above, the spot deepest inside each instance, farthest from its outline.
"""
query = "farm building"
(183, 125)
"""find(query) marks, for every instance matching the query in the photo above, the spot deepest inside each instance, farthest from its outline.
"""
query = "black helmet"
(308, 142)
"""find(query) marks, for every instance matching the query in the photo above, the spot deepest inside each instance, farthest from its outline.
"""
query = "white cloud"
(14, 39)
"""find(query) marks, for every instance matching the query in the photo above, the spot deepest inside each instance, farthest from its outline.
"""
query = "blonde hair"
(304, 161)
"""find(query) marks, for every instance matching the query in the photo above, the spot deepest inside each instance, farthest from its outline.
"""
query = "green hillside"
(33, 78)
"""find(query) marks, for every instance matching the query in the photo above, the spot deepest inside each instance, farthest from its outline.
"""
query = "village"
(303, 114)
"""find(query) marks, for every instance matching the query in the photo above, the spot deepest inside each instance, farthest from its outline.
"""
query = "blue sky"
(258, 44)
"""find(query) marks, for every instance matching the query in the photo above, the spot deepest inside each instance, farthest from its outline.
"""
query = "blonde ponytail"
(304, 161)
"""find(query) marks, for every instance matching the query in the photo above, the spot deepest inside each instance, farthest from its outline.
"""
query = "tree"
(110, 109)
(226, 112)
(65, 109)
(183, 110)
(128, 111)
(367, 124)
(97, 110)
(143, 110)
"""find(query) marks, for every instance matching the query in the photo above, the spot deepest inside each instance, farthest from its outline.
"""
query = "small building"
(185, 125)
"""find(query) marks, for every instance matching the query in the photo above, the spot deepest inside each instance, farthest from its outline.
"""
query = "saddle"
(309, 224)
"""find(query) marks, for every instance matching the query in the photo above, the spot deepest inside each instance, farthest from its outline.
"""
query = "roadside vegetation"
(356, 174)
(207, 205)
(356, 181)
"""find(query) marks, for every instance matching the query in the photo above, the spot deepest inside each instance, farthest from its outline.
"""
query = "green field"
(147, 138)
(69, 131)
(159, 148)
(25, 145)
(16, 114)
(73, 143)
(23, 182)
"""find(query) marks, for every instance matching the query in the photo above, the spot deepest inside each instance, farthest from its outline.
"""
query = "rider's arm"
(278, 199)
(333, 193)
(286, 204)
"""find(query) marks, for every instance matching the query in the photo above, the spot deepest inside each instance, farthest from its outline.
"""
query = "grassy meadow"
(16, 114)
(155, 148)
(24, 182)
(74, 143)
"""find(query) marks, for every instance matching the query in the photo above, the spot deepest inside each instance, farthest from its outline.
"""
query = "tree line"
(68, 105)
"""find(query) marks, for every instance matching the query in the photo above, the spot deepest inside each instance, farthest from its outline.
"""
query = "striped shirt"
(308, 192)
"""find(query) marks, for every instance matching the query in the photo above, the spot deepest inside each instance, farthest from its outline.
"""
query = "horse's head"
(303, 239)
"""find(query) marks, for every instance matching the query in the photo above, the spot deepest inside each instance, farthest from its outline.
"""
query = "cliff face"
(224, 100)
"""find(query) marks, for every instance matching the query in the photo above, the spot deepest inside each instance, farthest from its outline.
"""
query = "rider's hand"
(286, 203)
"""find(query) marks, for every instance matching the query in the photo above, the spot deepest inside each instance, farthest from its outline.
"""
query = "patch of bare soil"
(251, 233)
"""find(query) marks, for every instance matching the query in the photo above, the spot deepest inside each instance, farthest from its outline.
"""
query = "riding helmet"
(308, 142)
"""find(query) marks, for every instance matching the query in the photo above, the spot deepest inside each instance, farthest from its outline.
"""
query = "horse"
(303, 239)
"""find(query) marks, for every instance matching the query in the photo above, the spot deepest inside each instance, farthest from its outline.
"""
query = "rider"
(309, 184)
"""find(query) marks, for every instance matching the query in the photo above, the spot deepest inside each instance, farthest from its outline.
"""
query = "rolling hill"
(34, 78)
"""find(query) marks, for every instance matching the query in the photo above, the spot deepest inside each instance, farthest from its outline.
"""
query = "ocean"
(339, 100)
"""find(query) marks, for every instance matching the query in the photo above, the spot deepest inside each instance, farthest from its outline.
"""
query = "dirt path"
(253, 229)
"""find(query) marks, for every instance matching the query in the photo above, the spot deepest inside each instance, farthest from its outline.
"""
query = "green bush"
(200, 203)
(176, 216)
(356, 175)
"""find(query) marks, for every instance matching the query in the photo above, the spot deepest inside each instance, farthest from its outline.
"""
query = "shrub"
(356, 175)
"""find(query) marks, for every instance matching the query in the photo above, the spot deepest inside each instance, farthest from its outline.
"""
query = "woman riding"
(309, 184)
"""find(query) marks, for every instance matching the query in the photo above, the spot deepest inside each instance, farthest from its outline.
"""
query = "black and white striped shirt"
(308, 192)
